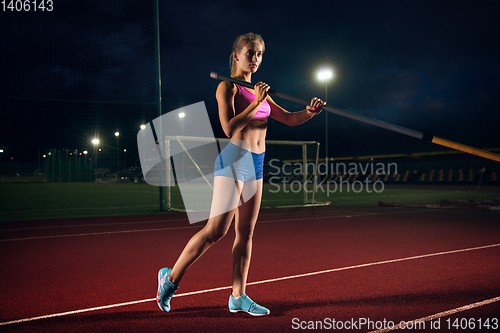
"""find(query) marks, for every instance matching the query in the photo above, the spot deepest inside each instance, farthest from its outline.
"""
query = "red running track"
(359, 265)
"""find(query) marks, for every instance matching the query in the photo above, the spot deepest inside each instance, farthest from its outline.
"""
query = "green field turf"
(69, 200)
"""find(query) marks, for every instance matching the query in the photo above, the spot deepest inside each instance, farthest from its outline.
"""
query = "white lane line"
(376, 263)
(94, 225)
(185, 219)
(95, 233)
(189, 227)
(416, 323)
(70, 209)
(68, 313)
(263, 214)
(251, 283)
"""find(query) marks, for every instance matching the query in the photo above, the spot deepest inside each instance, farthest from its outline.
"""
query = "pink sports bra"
(243, 99)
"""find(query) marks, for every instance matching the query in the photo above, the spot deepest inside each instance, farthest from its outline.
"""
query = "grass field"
(69, 200)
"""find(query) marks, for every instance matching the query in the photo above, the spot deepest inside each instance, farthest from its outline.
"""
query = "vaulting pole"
(372, 121)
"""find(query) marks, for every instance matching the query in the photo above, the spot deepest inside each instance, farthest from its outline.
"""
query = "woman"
(243, 115)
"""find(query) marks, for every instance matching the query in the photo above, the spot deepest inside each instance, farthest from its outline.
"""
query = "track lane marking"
(184, 219)
(361, 214)
(69, 209)
(438, 315)
(263, 213)
(61, 314)
(93, 225)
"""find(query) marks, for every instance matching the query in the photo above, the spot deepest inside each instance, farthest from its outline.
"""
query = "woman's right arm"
(232, 124)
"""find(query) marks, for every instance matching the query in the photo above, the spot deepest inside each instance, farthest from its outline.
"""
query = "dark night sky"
(88, 67)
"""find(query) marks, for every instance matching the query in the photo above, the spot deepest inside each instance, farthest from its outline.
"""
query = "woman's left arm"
(295, 118)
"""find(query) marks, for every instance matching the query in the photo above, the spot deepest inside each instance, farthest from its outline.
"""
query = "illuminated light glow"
(1, 150)
(182, 115)
(44, 156)
(85, 152)
(95, 141)
(325, 74)
(143, 127)
(117, 134)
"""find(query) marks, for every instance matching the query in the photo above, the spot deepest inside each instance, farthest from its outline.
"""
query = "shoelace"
(252, 307)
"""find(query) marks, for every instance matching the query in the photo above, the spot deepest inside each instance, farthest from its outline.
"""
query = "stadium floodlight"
(182, 115)
(1, 150)
(85, 152)
(325, 75)
(143, 127)
(117, 133)
(95, 141)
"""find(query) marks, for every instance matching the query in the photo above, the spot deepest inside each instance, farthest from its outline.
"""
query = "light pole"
(117, 134)
(125, 153)
(85, 163)
(143, 127)
(1, 153)
(95, 141)
(181, 117)
(324, 75)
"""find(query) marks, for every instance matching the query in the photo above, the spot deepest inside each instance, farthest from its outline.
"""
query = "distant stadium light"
(1, 150)
(182, 115)
(117, 133)
(143, 127)
(95, 141)
(85, 152)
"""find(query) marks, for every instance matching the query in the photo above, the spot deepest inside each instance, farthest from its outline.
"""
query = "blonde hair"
(238, 45)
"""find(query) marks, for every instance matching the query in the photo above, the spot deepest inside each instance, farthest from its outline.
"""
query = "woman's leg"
(245, 220)
(224, 205)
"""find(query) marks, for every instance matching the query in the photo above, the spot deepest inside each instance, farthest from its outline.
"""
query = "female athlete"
(238, 177)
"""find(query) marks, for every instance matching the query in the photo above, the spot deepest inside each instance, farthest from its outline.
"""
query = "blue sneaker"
(166, 289)
(245, 304)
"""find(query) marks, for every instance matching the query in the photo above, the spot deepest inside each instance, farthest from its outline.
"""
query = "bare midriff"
(254, 134)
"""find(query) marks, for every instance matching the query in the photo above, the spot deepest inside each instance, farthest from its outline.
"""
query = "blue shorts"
(239, 163)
